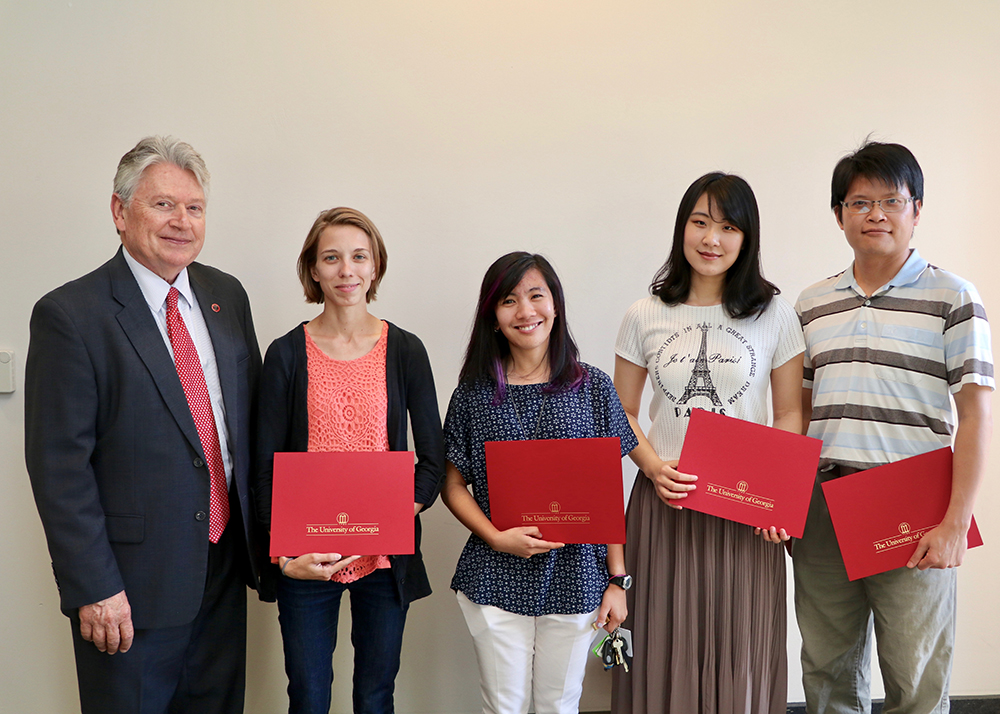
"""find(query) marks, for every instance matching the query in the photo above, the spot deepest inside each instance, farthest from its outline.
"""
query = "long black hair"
(746, 292)
(488, 348)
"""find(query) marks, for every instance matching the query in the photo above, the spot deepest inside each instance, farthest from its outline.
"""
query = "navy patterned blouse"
(572, 579)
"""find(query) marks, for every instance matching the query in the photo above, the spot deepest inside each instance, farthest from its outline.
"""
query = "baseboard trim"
(989, 704)
(986, 704)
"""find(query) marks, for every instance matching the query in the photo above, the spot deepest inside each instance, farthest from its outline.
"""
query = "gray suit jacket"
(115, 462)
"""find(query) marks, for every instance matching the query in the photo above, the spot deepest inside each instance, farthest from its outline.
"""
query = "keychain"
(616, 650)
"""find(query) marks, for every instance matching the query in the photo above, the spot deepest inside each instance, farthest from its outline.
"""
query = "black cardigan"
(283, 425)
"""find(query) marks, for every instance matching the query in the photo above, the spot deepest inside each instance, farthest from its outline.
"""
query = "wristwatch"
(622, 581)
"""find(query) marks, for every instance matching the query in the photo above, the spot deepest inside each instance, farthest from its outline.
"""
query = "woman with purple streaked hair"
(529, 602)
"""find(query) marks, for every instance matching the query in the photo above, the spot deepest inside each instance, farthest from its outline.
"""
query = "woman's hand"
(523, 542)
(772, 534)
(613, 608)
(671, 485)
(314, 566)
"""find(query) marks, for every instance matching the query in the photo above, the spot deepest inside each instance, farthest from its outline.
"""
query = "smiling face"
(525, 316)
(163, 227)
(344, 267)
(877, 235)
(711, 243)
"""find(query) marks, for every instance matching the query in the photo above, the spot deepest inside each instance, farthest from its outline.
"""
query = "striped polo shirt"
(882, 369)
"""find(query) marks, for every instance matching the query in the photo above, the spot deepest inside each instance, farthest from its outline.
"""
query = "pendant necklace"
(538, 422)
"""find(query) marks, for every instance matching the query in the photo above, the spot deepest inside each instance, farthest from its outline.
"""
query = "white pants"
(523, 657)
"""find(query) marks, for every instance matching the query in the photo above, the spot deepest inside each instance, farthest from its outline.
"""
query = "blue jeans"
(308, 612)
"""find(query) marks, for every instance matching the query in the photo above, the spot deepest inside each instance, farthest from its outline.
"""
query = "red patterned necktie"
(193, 381)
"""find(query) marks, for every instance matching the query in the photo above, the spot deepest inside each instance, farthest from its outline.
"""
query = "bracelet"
(286, 565)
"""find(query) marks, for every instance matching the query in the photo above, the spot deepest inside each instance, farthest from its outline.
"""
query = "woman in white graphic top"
(707, 608)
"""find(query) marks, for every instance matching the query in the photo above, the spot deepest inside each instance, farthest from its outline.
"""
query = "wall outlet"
(6, 371)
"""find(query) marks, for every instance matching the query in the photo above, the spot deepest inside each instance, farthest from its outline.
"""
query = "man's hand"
(941, 547)
(108, 624)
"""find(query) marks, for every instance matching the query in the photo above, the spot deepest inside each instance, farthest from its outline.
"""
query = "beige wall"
(467, 129)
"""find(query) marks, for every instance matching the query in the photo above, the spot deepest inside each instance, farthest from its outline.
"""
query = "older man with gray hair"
(139, 384)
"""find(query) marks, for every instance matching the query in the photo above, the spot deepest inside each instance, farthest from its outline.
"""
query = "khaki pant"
(912, 613)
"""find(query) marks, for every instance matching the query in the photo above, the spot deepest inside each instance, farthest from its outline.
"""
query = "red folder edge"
(343, 484)
(744, 468)
(551, 488)
(926, 476)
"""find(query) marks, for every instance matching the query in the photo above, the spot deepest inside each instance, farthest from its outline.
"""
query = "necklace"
(537, 373)
(538, 422)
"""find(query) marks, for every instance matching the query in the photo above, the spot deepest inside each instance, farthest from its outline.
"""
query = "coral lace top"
(348, 408)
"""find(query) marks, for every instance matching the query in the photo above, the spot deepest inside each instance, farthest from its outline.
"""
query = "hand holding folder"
(569, 490)
(314, 566)
(749, 473)
(329, 503)
(523, 541)
(671, 485)
(881, 515)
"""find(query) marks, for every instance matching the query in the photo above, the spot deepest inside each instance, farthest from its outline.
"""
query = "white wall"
(467, 129)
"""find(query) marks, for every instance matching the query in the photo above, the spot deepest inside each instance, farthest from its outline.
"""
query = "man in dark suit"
(139, 384)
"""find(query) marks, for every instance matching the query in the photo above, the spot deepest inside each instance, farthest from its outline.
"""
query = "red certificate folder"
(749, 473)
(347, 503)
(570, 488)
(881, 514)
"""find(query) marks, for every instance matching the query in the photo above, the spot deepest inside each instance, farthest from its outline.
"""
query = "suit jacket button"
(198, 463)
(200, 516)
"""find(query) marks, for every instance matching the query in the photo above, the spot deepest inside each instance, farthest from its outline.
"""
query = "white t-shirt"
(699, 357)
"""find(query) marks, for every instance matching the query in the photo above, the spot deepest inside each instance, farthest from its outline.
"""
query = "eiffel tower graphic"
(700, 372)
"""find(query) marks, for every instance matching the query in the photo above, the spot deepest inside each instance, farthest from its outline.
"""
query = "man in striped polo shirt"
(887, 341)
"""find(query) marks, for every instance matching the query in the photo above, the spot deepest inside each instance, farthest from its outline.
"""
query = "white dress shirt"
(154, 290)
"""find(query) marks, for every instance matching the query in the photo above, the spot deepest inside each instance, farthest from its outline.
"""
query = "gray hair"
(157, 150)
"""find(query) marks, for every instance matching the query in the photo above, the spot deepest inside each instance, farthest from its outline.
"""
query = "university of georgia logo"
(742, 486)
(342, 519)
(554, 507)
(904, 528)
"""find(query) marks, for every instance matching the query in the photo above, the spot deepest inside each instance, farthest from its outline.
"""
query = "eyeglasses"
(887, 205)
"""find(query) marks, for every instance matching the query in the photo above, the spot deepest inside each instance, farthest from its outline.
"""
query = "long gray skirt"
(707, 614)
